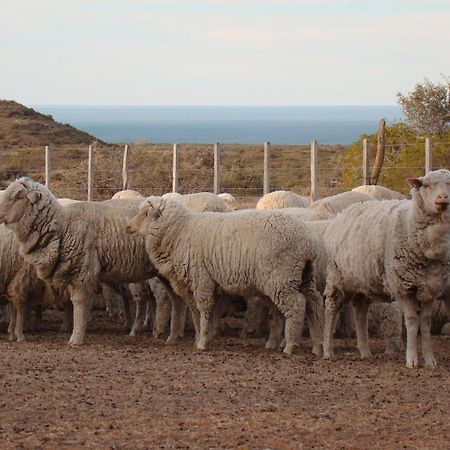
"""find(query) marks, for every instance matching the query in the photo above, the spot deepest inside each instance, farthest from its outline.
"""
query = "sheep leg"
(295, 318)
(80, 301)
(333, 304)
(205, 304)
(126, 311)
(361, 314)
(254, 317)
(177, 320)
(140, 292)
(162, 316)
(425, 333)
(412, 329)
(20, 318)
(12, 324)
(216, 318)
(276, 326)
(314, 315)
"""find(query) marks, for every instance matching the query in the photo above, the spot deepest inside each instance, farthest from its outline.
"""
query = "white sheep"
(379, 192)
(331, 206)
(243, 253)
(126, 194)
(230, 200)
(282, 199)
(391, 250)
(78, 246)
(200, 201)
(19, 283)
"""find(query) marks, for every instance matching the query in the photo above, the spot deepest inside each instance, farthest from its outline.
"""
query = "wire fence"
(245, 171)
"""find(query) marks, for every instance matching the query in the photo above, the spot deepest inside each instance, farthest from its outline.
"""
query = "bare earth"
(120, 392)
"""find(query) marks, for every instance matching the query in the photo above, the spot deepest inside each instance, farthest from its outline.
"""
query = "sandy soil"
(120, 392)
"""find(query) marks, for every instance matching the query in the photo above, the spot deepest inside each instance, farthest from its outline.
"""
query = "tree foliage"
(404, 157)
(427, 108)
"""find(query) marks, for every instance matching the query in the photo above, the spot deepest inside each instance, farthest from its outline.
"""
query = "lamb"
(328, 207)
(126, 194)
(391, 250)
(282, 199)
(244, 253)
(379, 192)
(78, 246)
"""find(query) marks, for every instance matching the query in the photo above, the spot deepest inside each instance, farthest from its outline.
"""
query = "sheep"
(391, 250)
(19, 283)
(282, 199)
(78, 246)
(244, 253)
(330, 206)
(200, 201)
(230, 200)
(126, 194)
(379, 192)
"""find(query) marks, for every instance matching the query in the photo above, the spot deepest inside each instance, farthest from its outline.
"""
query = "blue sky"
(215, 52)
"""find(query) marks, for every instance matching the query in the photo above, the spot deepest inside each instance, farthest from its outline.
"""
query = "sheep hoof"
(21, 339)
(430, 363)
(133, 333)
(171, 340)
(328, 355)
(316, 350)
(366, 355)
(202, 345)
(412, 363)
(11, 337)
(271, 345)
(289, 349)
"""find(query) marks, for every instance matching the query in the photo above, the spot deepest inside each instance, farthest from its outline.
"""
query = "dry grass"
(150, 169)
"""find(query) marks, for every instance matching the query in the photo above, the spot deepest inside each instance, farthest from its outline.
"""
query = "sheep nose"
(442, 202)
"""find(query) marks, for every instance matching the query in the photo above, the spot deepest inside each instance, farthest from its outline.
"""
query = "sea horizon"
(228, 124)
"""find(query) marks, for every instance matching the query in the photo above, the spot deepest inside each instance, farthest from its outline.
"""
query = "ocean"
(225, 124)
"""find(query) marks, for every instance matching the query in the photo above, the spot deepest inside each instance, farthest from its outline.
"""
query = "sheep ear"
(154, 213)
(414, 182)
(19, 193)
(34, 196)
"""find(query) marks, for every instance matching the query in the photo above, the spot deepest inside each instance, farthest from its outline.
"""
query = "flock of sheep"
(287, 260)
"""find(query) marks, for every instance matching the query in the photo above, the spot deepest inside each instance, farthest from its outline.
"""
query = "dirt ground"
(120, 392)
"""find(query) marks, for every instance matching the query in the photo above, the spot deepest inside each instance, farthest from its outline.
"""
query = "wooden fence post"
(217, 168)
(266, 178)
(314, 170)
(366, 162)
(175, 168)
(90, 193)
(125, 168)
(48, 167)
(428, 155)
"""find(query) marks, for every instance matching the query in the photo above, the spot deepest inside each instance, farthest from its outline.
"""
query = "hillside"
(24, 127)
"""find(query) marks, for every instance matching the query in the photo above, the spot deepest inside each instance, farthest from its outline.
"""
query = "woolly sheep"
(282, 199)
(230, 200)
(331, 206)
(391, 250)
(126, 194)
(243, 253)
(78, 246)
(19, 283)
(379, 192)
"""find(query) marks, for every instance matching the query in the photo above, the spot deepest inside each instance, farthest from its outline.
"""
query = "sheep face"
(434, 191)
(17, 199)
(149, 213)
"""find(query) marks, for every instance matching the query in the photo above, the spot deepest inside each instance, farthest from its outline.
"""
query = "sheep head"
(433, 192)
(19, 197)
